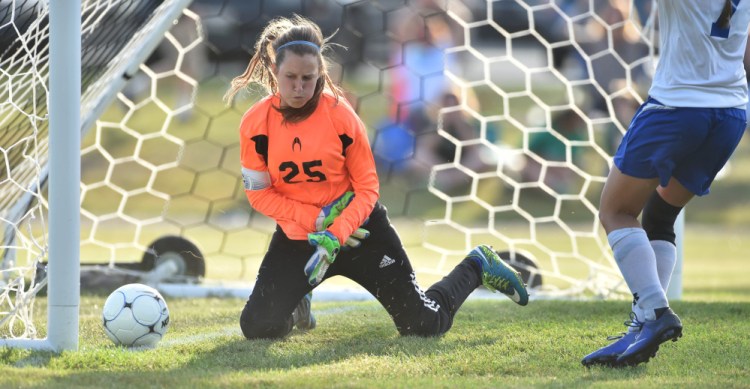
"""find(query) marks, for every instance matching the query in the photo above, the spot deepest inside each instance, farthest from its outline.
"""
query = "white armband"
(255, 180)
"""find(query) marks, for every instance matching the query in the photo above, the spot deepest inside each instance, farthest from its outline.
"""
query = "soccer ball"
(135, 315)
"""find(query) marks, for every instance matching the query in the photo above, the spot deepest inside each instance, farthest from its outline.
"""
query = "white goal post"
(48, 106)
(64, 169)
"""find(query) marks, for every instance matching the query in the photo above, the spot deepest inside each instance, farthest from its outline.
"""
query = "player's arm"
(362, 173)
(264, 199)
(257, 181)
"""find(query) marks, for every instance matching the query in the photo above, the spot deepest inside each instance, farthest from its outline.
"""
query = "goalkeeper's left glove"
(327, 247)
(355, 240)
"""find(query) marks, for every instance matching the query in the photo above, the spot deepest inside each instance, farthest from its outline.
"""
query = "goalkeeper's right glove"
(332, 211)
(327, 247)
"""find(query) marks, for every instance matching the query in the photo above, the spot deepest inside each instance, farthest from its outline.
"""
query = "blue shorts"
(689, 144)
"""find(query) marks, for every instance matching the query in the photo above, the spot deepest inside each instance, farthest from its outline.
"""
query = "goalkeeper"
(307, 164)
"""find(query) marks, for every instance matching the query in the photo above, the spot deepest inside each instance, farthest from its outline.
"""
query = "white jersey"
(701, 64)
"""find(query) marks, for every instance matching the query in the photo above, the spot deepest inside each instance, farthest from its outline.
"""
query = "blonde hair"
(269, 52)
(726, 14)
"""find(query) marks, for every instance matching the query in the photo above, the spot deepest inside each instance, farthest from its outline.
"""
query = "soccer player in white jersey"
(677, 142)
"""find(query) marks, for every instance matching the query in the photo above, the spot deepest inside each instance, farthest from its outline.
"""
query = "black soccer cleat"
(303, 318)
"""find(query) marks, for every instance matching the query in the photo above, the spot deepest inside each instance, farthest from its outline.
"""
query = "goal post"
(64, 176)
(61, 63)
(63, 284)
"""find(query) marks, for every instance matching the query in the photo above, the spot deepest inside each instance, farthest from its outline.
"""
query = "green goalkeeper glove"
(332, 211)
(327, 247)
(355, 240)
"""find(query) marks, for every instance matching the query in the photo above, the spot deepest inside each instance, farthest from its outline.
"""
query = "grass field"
(493, 343)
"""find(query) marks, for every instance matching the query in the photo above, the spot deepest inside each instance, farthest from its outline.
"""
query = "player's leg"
(278, 290)
(382, 267)
(481, 266)
(658, 219)
(486, 266)
(623, 198)
(645, 158)
(692, 175)
(389, 276)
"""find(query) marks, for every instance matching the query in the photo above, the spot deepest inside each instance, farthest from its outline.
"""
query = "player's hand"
(355, 239)
(331, 211)
(327, 247)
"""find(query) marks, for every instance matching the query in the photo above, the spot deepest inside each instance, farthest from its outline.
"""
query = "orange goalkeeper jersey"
(291, 170)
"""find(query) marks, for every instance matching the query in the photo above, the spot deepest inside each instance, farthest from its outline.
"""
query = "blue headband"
(308, 43)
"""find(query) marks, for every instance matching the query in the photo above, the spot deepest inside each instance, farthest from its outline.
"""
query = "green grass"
(493, 343)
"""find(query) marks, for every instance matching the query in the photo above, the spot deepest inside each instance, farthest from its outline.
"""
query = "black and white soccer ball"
(135, 315)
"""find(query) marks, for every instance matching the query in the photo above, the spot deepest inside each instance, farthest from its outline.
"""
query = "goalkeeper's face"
(297, 76)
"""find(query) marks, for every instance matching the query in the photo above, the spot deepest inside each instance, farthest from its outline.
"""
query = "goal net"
(116, 37)
(491, 122)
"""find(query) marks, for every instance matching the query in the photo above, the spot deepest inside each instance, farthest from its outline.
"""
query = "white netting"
(514, 156)
(559, 82)
(113, 33)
